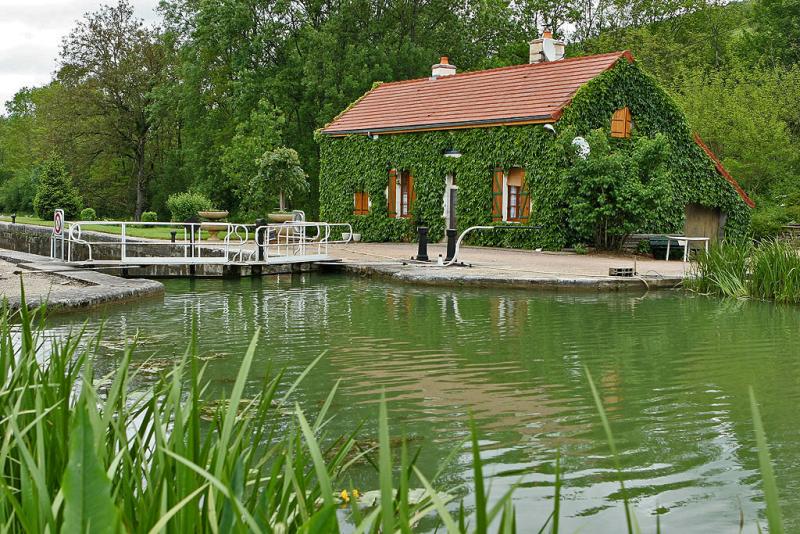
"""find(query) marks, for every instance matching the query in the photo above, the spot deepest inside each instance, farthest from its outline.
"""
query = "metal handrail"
(192, 241)
(293, 238)
(474, 228)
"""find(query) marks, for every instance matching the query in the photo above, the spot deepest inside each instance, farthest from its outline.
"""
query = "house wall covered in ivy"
(362, 164)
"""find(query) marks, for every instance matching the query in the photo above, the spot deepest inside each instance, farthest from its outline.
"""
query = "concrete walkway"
(64, 287)
(507, 267)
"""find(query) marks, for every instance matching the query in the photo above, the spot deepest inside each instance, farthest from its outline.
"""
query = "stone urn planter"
(280, 217)
(214, 229)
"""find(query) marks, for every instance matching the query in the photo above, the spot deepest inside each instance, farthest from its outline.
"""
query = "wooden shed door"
(702, 221)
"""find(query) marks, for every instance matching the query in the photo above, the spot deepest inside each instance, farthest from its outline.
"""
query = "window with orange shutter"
(621, 123)
(361, 200)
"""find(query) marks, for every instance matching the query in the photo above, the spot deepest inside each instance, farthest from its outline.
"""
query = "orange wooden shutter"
(497, 195)
(392, 196)
(362, 203)
(524, 199)
(621, 123)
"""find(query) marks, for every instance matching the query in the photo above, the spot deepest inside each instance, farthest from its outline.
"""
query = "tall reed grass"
(89, 453)
(768, 271)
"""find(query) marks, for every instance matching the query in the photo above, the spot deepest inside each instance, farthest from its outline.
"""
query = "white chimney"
(545, 48)
(443, 68)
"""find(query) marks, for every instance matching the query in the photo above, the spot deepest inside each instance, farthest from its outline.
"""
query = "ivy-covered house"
(509, 145)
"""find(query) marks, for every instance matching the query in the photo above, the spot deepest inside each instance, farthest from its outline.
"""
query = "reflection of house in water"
(498, 392)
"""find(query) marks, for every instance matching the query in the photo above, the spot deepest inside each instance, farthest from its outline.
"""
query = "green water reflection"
(673, 371)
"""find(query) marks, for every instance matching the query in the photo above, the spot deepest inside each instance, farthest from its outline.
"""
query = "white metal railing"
(192, 238)
(300, 238)
(293, 238)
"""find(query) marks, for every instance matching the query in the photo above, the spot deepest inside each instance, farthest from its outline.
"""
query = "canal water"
(673, 371)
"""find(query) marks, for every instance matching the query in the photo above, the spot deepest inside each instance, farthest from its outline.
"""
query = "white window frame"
(506, 195)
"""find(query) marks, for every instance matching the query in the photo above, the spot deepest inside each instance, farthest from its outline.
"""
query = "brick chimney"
(443, 68)
(545, 48)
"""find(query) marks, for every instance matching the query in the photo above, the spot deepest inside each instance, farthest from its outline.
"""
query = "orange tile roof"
(723, 171)
(506, 95)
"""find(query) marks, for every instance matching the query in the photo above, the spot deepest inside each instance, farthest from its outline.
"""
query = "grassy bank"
(89, 453)
(767, 271)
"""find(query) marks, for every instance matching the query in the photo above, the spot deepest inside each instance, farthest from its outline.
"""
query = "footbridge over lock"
(196, 249)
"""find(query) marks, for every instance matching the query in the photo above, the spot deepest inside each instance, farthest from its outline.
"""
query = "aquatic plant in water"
(88, 453)
(768, 271)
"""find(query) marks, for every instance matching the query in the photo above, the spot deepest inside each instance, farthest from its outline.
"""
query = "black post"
(451, 243)
(422, 248)
(260, 223)
(13, 218)
(173, 234)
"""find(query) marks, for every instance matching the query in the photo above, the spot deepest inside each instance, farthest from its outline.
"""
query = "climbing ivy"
(358, 163)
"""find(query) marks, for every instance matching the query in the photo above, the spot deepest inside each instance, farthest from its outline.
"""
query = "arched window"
(621, 123)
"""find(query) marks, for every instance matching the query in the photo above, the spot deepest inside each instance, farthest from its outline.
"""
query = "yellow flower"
(356, 494)
(345, 497)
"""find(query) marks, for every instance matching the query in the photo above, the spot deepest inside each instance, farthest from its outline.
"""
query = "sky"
(31, 33)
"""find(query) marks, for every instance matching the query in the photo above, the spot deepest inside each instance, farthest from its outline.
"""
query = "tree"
(280, 175)
(619, 189)
(111, 63)
(240, 159)
(55, 190)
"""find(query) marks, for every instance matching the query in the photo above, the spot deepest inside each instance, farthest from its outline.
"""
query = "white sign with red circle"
(58, 222)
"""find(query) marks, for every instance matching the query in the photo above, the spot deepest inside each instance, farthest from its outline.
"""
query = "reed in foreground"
(87, 453)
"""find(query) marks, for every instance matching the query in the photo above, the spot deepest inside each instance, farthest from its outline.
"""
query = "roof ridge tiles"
(462, 75)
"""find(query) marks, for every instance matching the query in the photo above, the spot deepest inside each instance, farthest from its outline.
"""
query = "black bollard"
(422, 248)
(451, 243)
(173, 234)
(13, 218)
(260, 223)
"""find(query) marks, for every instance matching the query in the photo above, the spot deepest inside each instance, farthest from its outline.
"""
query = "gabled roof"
(723, 171)
(518, 94)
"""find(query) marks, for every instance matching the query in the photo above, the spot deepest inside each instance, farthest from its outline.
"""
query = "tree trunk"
(141, 180)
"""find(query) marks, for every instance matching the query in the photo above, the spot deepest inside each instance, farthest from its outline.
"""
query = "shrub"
(149, 216)
(767, 221)
(56, 191)
(88, 214)
(618, 190)
(186, 205)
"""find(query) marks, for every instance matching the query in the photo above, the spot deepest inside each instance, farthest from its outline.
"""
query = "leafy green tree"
(618, 189)
(110, 63)
(280, 176)
(240, 159)
(777, 31)
(55, 190)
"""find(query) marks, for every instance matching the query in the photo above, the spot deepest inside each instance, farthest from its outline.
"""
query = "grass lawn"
(158, 232)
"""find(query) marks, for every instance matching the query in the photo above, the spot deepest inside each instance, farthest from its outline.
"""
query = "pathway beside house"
(506, 267)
